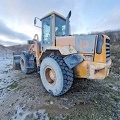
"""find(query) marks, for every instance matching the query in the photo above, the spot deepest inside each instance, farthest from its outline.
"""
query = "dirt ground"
(22, 97)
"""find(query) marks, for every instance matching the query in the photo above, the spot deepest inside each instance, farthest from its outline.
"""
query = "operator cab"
(53, 25)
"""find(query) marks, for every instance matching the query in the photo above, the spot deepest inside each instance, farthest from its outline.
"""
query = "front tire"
(55, 75)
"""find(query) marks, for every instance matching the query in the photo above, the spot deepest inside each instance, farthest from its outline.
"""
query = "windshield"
(60, 26)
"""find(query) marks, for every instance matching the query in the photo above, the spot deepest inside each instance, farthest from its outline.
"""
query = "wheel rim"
(50, 75)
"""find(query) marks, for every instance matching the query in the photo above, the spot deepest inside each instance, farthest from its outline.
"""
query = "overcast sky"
(16, 17)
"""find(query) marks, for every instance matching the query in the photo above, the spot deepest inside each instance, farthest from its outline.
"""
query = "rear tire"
(62, 76)
(23, 64)
(16, 66)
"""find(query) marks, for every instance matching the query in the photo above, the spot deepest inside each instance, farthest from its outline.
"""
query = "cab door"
(46, 33)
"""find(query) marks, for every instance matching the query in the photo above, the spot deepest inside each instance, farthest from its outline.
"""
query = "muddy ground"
(22, 97)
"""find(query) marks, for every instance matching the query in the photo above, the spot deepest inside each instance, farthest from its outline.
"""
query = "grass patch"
(69, 117)
(115, 97)
(115, 53)
(13, 85)
(51, 118)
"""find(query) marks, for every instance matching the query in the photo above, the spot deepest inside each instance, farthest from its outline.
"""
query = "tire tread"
(24, 69)
(67, 74)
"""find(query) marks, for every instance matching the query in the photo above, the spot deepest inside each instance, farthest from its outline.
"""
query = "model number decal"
(84, 44)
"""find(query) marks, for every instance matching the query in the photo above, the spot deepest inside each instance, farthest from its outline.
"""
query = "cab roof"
(51, 13)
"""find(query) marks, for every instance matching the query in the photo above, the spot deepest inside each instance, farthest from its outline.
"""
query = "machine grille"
(107, 50)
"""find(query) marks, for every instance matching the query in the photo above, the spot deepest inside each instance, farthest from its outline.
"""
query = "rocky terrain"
(22, 97)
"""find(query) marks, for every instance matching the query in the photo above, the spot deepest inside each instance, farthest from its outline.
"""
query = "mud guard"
(73, 60)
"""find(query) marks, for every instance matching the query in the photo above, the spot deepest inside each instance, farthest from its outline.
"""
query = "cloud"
(24, 11)
(8, 43)
(86, 16)
(9, 33)
(110, 21)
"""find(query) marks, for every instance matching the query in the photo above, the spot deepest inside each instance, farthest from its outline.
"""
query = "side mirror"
(35, 22)
(100, 42)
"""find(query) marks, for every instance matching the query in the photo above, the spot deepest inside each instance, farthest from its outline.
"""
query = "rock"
(20, 113)
(65, 107)
(51, 102)
(65, 99)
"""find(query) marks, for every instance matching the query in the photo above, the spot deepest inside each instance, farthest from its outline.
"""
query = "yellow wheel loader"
(60, 57)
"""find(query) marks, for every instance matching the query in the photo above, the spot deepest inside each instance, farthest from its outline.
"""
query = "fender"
(73, 60)
(64, 50)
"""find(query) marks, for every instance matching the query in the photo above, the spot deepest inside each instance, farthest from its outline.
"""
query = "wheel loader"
(60, 57)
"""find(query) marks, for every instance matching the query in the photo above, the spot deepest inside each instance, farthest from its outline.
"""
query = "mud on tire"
(63, 75)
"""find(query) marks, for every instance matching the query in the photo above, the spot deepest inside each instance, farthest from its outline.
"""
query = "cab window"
(46, 30)
(60, 26)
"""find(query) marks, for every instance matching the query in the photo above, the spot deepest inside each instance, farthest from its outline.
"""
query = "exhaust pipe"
(67, 32)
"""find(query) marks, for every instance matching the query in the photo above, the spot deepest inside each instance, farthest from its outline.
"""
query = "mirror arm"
(37, 18)
(37, 26)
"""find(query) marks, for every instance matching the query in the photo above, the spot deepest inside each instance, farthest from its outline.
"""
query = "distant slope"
(115, 50)
(18, 48)
(8, 51)
(114, 35)
(5, 52)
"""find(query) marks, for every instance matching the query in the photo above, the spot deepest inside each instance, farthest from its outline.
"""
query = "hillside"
(18, 48)
(8, 51)
(5, 52)
(115, 50)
